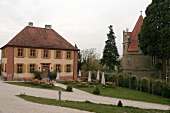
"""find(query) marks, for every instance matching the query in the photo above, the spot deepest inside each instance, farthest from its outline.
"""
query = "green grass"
(35, 86)
(88, 106)
(123, 93)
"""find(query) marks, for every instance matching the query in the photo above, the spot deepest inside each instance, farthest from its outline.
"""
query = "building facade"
(38, 49)
(134, 62)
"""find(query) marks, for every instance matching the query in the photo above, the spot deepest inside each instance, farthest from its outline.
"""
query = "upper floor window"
(19, 68)
(153, 60)
(68, 68)
(68, 55)
(167, 62)
(45, 53)
(129, 61)
(58, 54)
(32, 68)
(123, 46)
(32, 53)
(20, 52)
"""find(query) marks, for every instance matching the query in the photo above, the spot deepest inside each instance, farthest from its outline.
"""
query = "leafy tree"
(110, 52)
(154, 38)
(90, 60)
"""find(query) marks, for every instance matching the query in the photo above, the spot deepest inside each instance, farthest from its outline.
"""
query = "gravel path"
(17, 105)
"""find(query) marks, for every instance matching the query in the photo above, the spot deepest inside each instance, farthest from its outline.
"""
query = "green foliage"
(54, 74)
(89, 60)
(120, 80)
(88, 106)
(126, 81)
(158, 87)
(166, 90)
(96, 91)
(110, 52)
(119, 104)
(144, 84)
(154, 35)
(124, 93)
(133, 82)
(37, 75)
(69, 88)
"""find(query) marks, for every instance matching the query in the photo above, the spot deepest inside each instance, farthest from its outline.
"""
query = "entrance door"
(45, 68)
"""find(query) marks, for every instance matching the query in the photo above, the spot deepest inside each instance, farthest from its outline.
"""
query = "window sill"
(45, 58)
(32, 57)
(20, 56)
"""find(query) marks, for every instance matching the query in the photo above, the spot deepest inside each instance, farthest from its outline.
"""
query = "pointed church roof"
(133, 46)
(40, 38)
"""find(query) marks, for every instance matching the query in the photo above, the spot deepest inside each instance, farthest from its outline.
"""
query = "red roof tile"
(40, 38)
(133, 46)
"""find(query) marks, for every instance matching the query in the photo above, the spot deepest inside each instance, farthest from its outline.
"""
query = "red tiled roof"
(133, 46)
(40, 38)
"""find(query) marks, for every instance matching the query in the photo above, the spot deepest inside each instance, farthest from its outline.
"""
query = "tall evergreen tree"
(110, 52)
(154, 38)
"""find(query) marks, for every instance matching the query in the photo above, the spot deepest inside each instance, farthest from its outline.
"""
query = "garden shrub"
(126, 81)
(166, 90)
(144, 85)
(69, 88)
(120, 80)
(158, 87)
(37, 75)
(54, 74)
(96, 91)
(133, 82)
(119, 104)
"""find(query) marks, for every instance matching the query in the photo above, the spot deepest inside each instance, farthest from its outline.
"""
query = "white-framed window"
(167, 62)
(68, 68)
(32, 68)
(19, 68)
(58, 54)
(45, 53)
(129, 62)
(20, 52)
(58, 68)
(32, 53)
(68, 55)
(153, 60)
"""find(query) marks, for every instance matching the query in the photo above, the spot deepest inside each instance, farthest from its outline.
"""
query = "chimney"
(48, 26)
(127, 30)
(30, 24)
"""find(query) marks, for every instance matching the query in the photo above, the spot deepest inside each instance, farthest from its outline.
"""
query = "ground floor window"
(58, 67)
(32, 68)
(129, 73)
(19, 68)
(68, 68)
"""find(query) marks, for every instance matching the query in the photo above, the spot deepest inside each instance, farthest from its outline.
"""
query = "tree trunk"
(164, 67)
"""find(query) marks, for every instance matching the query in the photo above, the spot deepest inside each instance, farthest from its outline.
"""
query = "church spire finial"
(141, 13)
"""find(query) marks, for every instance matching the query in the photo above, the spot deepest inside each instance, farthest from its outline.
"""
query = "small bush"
(69, 88)
(158, 87)
(119, 104)
(133, 82)
(144, 85)
(37, 75)
(96, 91)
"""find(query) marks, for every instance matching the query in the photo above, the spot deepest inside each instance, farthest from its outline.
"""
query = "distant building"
(134, 62)
(38, 49)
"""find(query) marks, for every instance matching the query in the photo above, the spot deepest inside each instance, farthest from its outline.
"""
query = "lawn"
(88, 106)
(35, 86)
(123, 93)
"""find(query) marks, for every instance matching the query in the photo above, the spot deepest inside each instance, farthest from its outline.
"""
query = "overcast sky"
(81, 22)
